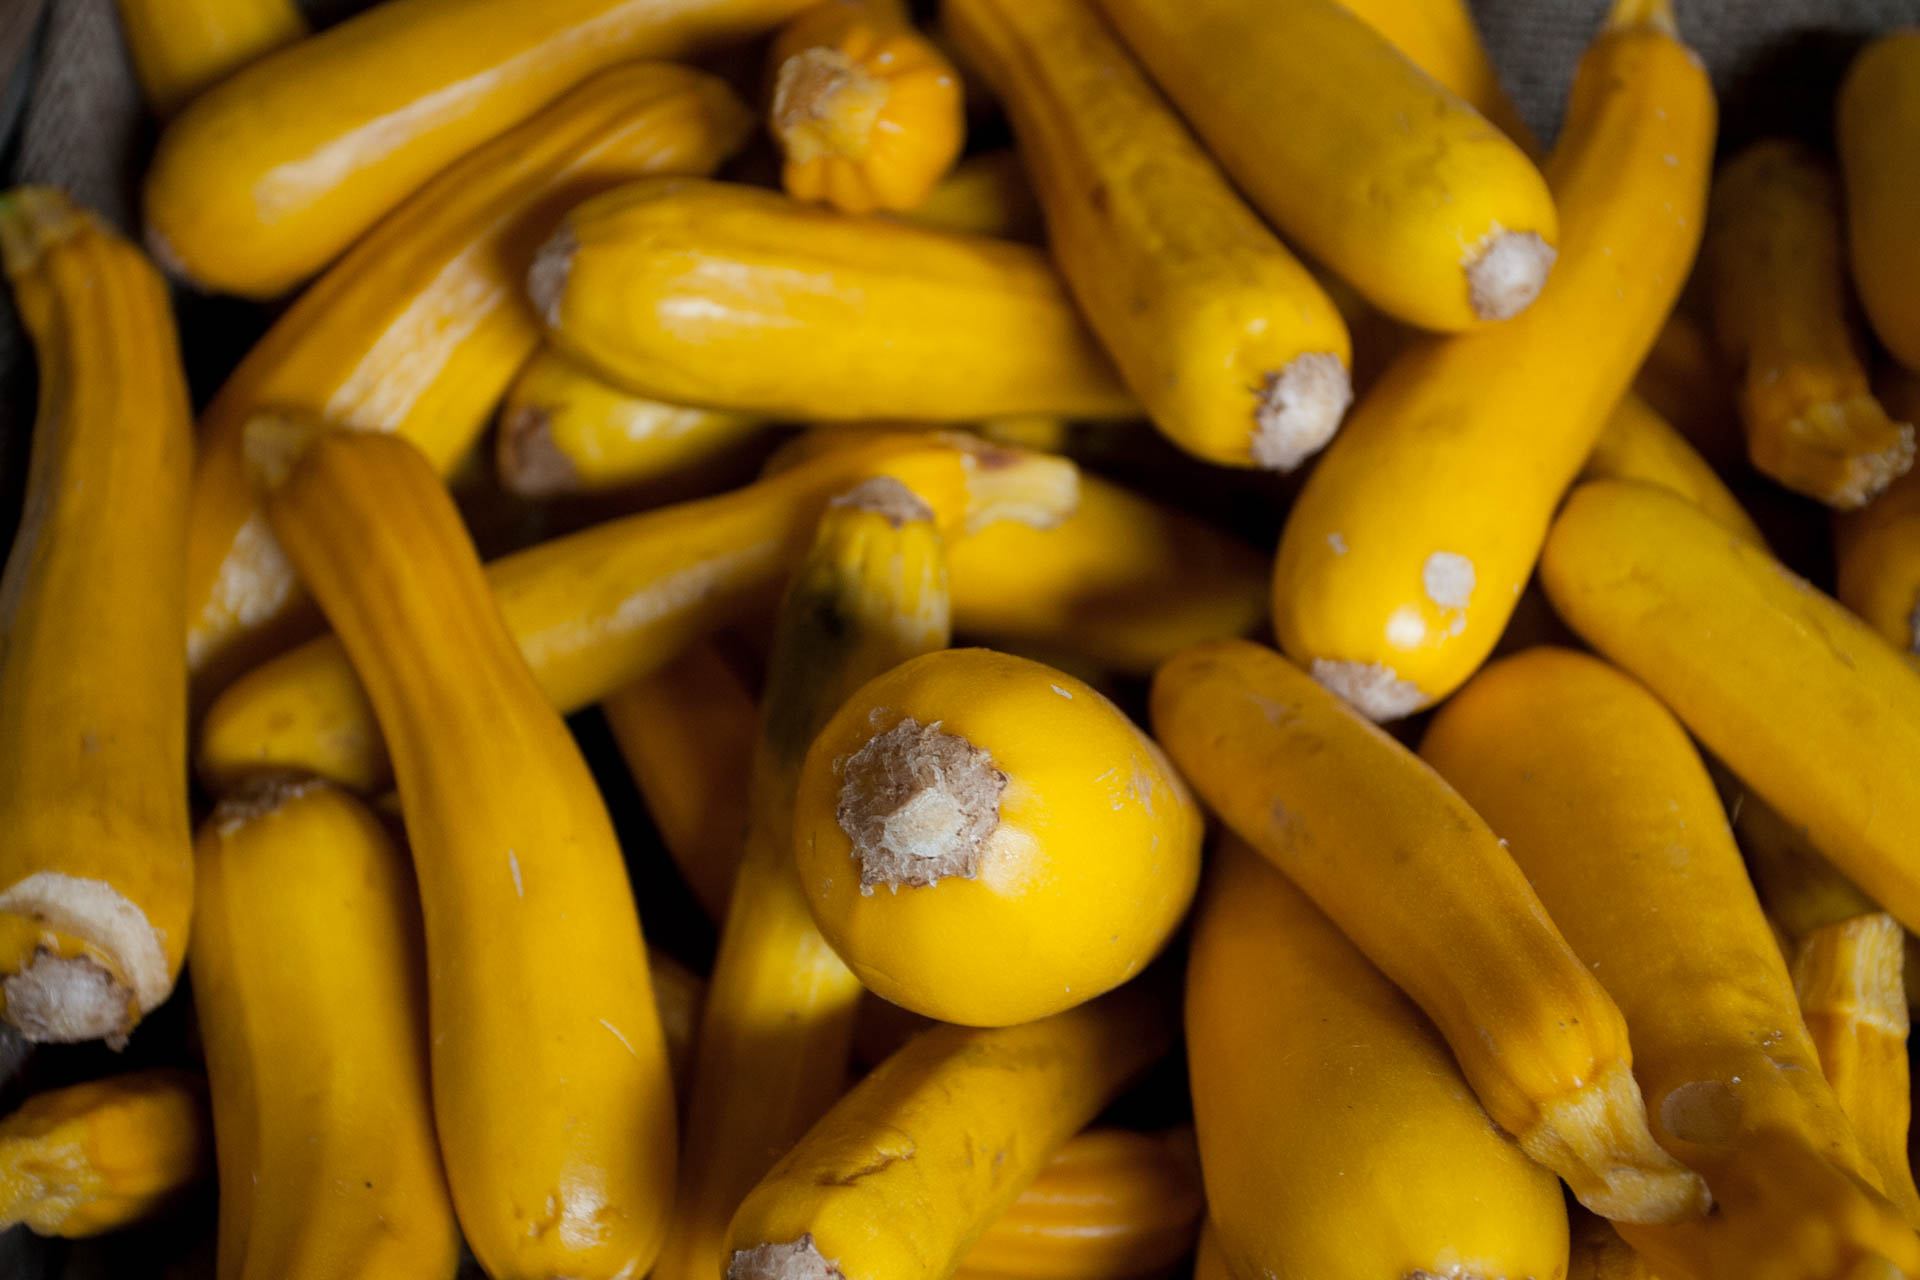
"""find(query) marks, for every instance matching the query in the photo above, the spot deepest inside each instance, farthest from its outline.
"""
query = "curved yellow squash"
(1638, 444)
(1876, 118)
(96, 846)
(1440, 37)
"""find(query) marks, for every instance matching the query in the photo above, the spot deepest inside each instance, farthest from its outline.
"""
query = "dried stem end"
(796, 1260)
(1373, 688)
(1506, 273)
(531, 465)
(1300, 408)
(889, 497)
(69, 999)
(547, 277)
(825, 104)
(1596, 1138)
(918, 805)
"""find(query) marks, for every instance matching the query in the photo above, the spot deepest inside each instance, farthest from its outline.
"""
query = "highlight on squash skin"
(1231, 345)
(1337, 1134)
(552, 1095)
(1876, 118)
(181, 47)
(986, 840)
(610, 604)
(1813, 710)
(777, 1033)
(1111, 1204)
(369, 345)
(866, 111)
(267, 177)
(1877, 548)
(1608, 809)
(309, 986)
(1415, 878)
(1443, 223)
(1778, 278)
(564, 431)
(1853, 997)
(103, 1155)
(1405, 552)
(728, 296)
(1638, 444)
(891, 1183)
(96, 868)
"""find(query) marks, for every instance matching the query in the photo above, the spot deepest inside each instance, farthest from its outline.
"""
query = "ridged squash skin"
(1876, 117)
(1607, 807)
(1811, 707)
(420, 327)
(986, 840)
(103, 1155)
(776, 1035)
(308, 979)
(1357, 156)
(1403, 556)
(912, 1165)
(551, 1091)
(96, 860)
(181, 47)
(1234, 349)
(266, 178)
(1406, 869)
(1337, 1136)
(728, 296)
(599, 608)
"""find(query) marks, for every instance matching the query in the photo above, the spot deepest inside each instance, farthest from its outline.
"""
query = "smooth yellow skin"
(1123, 581)
(103, 1155)
(551, 1092)
(610, 604)
(1807, 704)
(308, 980)
(1852, 995)
(420, 327)
(564, 430)
(1202, 308)
(1781, 309)
(987, 194)
(866, 111)
(1877, 548)
(723, 295)
(906, 1171)
(777, 1032)
(1608, 809)
(1111, 1204)
(267, 177)
(96, 863)
(1354, 154)
(1405, 553)
(1337, 1135)
(1441, 39)
(1087, 870)
(686, 732)
(1876, 118)
(1638, 444)
(1396, 858)
(182, 48)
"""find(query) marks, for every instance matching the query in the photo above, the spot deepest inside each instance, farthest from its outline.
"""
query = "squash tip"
(67, 1000)
(1506, 271)
(796, 1260)
(529, 463)
(70, 998)
(547, 277)
(1597, 1139)
(1300, 408)
(919, 805)
(825, 104)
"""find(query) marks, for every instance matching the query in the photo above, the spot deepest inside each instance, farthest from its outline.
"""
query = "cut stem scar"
(1375, 689)
(889, 497)
(1300, 408)
(919, 805)
(795, 1260)
(824, 103)
(1507, 272)
(531, 464)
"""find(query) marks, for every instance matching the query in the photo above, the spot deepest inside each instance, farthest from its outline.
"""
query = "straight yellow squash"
(419, 328)
(1876, 118)
(1396, 858)
(1441, 39)
(181, 47)
(1355, 154)
(777, 1032)
(1807, 704)
(1609, 811)
(1638, 444)
(723, 295)
(1224, 336)
(263, 180)
(96, 852)
(911, 1166)
(308, 981)
(1403, 557)
(551, 1092)
(599, 608)
(1337, 1136)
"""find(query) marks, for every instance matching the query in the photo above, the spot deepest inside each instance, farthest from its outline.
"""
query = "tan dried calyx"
(919, 805)
(889, 497)
(824, 103)
(1300, 408)
(1507, 273)
(795, 1260)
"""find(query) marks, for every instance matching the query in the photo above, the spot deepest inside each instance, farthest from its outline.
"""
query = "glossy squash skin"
(182, 47)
